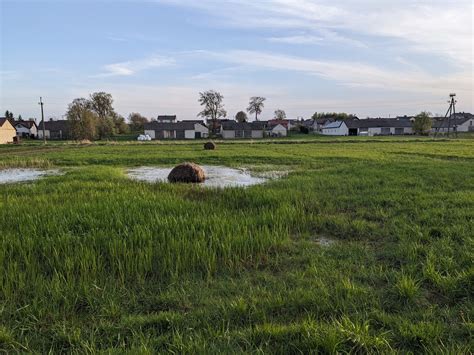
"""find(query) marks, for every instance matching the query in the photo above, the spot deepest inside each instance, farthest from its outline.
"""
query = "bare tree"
(280, 114)
(256, 106)
(213, 107)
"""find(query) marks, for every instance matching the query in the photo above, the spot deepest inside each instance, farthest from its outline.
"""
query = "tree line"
(95, 117)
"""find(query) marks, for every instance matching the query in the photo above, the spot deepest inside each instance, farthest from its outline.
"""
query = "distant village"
(95, 118)
(169, 127)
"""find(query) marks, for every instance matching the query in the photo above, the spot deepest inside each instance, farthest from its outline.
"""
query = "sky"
(371, 58)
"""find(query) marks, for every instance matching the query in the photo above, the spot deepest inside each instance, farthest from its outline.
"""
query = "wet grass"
(92, 261)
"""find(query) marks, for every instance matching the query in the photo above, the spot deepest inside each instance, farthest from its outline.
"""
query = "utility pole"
(42, 118)
(449, 115)
(452, 110)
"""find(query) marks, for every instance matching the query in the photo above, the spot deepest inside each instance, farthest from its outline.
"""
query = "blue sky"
(371, 58)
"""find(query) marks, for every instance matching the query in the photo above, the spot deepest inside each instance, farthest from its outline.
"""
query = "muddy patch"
(10, 176)
(216, 176)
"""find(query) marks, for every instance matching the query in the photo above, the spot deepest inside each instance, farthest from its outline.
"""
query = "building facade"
(176, 130)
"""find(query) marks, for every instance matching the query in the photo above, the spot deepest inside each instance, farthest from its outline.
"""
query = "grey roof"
(308, 123)
(243, 126)
(26, 124)
(379, 123)
(59, 125)
(170, 126)
(335, 124)
(458, 119)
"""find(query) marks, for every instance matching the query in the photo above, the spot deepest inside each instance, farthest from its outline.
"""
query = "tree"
(137, 122)
(121, 127)
(256, 105)
(20, 118)
(280, 114)
(422, 123)
(241, 117)
(101, 104)
(338, 116)
(213, 107)
(8, 114)
(82, 120)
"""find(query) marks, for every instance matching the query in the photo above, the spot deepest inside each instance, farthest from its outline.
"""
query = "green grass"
(91, 261)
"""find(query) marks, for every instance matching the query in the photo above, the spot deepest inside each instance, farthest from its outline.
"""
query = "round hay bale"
(187, 173)
(209, 146)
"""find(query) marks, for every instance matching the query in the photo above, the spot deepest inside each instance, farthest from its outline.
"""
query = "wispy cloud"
(132, 67)
(425, 26)
(323, 37)
(347, 73)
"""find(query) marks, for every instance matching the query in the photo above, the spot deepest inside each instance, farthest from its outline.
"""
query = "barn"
(176, 130)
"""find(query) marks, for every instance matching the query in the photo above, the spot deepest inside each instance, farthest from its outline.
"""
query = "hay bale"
(209, 146)
(187, 173)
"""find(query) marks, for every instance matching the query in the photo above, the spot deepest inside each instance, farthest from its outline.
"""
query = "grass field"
(92, 261)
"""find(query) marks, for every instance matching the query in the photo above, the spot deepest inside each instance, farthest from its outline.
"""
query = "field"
(366, 246)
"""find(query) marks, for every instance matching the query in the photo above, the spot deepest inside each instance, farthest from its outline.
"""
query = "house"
(7, 131)
(336, 128)
(176, 130)
(276, 130)
(233, 129)
(54, 129)
(166, 119)
(369, 127)
(316, 125)
(461, 122)
(26, 129)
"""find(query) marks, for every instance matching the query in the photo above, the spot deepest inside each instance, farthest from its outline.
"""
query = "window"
(247, 134)
(386, 130)
(239, 134)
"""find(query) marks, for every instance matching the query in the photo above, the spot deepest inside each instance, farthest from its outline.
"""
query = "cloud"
(322, 38)
(132, 67)
(433, 27)
(348, 73)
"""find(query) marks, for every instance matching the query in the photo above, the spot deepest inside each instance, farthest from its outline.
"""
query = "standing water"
(8, 176)
(216, 176)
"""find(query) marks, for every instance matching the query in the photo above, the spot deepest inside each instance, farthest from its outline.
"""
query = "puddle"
(8, 176)
(324, 242)
(216, 176)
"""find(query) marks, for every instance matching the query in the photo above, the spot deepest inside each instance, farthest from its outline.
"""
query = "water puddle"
(216, 176)
(9, 176)
(324, 242)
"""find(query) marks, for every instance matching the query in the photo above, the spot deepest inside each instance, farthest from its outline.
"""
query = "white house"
(462, 122)
(337, 128)
(176, 130)
(277, 130)
(233, 129)
(26, 129)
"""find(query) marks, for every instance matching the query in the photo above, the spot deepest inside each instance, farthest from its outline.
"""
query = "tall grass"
(93, 261)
